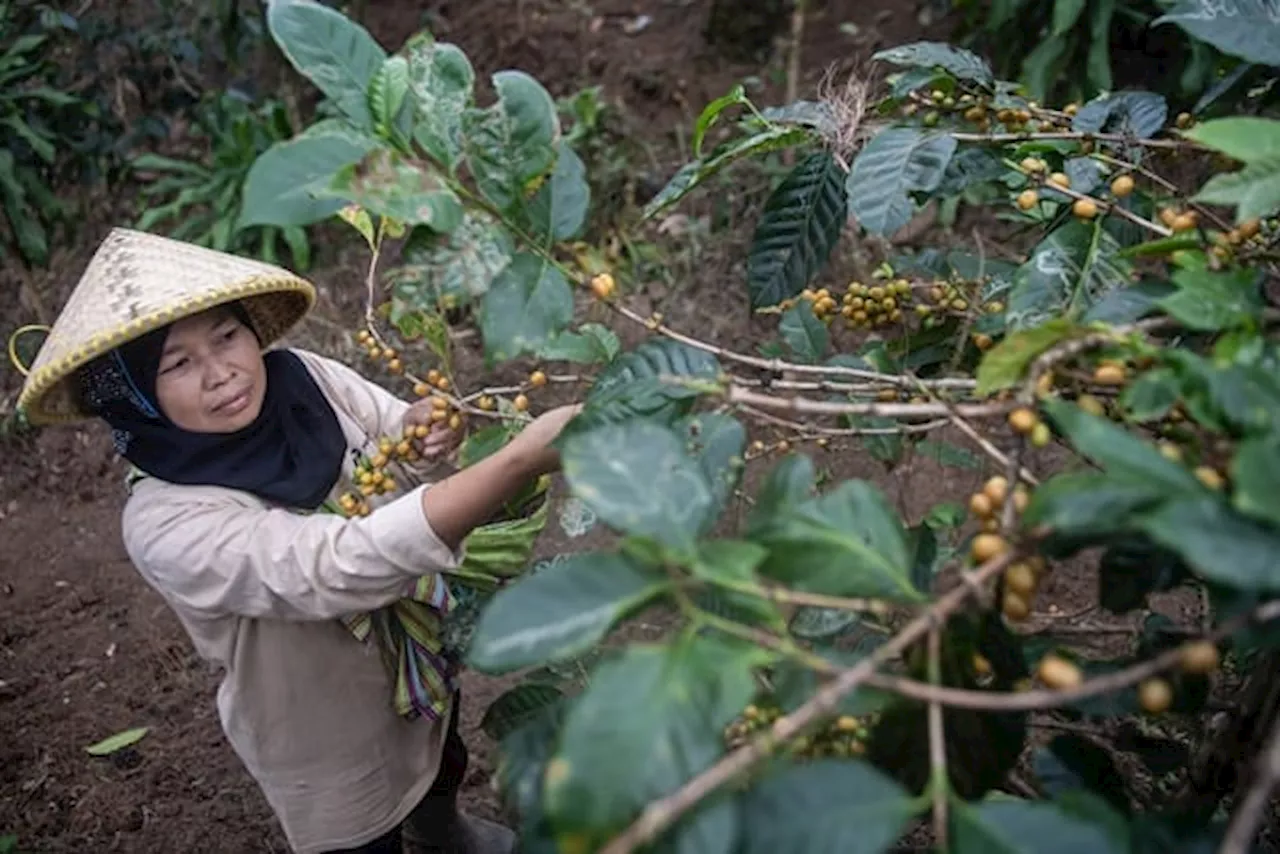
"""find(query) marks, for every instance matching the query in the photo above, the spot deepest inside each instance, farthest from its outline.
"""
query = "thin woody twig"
(737, 394)
(937, 746)
(1247, 818)
(843, 431)
(662, 813)
(999, 138)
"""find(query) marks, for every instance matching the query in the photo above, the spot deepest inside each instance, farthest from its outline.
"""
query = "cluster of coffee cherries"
(377, 353)
(1155, 694)
(1021, 578)
(841, 737)
(371, 476)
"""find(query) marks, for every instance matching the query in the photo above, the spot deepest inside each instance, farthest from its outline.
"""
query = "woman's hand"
(440, 441)
(536, 438)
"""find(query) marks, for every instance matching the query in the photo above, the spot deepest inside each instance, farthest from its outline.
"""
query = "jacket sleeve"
(212, 553)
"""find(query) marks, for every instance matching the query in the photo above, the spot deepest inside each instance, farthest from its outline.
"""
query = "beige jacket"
(259, 589)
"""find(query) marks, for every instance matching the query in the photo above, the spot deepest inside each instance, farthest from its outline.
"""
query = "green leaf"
(799, 226)
(805, 334)
(1098, 62)
(117, 742)
(711, 113)
(894, 164)
(1140, 114)
(1089, 504)
(279, 187)
(657, 711)
(730, 562)
(944, 453)
(814, 624)
(592, 343)
(969, 168)
(1043, 64)
(1210, 301)
(1118, 450)
(632, 386)
(484, 442)
(716, 442)
(1249, 29)
(825, 806)
(559, 208)
(1065, 15)
(336, 54)
(813, 114)
(1254, 191)
(693, 174)
(1071, 270)
(387, 92)
(1245, 138)
(637, 477)
(518, 706)
(1151, 395)
(388, 184)
(527, 304)
(848, 542)
(442, 82)
(958, 62)
(790, 483)
(1216, 542)
(1255, 471)
(460, 264)
(1015, 827)
(559, 612)
(512, 142)
(1004, 365)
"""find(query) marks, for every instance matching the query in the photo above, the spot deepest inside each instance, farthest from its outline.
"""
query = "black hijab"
(291, 454)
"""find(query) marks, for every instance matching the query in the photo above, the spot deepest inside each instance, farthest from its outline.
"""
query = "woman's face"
(211, 378)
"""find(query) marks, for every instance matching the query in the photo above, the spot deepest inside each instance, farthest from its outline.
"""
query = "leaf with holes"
(442, 82)
(388, 184)
(892, 166)
(1069, 271)
(513, 142)
(799, 226)
(559, 612)
(527, 304)
(958, 62)
(460, 264)
(1249, 29)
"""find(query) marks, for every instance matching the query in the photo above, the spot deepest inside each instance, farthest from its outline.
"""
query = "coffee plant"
(836, 676)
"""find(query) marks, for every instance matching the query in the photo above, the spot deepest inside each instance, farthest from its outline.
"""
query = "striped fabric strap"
(408, 633)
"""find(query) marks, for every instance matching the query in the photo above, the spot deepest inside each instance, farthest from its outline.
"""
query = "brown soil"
(87, 649)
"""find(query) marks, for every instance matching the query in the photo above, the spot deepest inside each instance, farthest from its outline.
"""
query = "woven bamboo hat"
(137, 282)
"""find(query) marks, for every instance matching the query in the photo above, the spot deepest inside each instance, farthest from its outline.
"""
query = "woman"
(351, 735)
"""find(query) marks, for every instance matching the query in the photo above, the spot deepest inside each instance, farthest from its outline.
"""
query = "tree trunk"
(745, 30)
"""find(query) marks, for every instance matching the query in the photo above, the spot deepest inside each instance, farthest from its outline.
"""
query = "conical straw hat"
(137, 282)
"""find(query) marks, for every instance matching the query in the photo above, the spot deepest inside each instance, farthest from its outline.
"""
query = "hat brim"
(275, 304)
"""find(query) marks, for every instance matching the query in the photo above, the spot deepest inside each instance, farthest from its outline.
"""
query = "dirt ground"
(87, 649)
